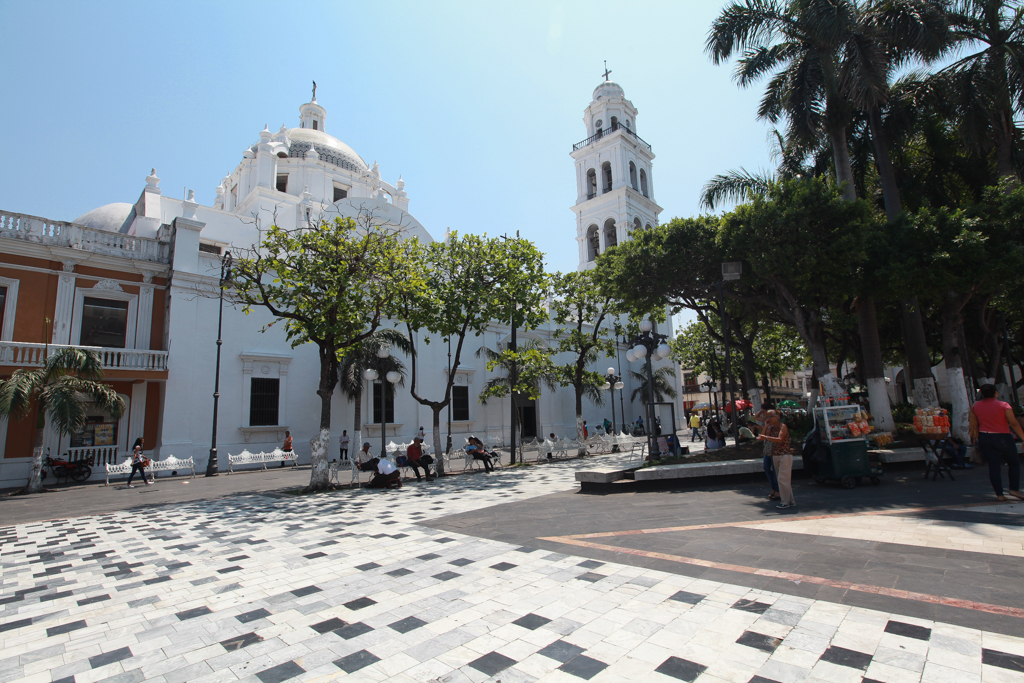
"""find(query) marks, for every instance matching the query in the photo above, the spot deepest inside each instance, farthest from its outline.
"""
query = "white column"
(136, 416)
(65, 306)
(282, 394)
(144, 318)
(602, 242)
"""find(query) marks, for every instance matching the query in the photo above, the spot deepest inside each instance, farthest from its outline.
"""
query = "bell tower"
(614, 181)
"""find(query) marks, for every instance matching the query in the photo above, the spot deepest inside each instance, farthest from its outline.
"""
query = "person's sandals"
(1017, 494)
(774, 496)
(1001, 499)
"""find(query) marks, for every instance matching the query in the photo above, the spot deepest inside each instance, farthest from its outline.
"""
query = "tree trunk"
(1004, 129)
(922, 382)
(319, 476)
(579, 418)
(951, 322)
(874, 370)
(844, 171)
(886, 174)
(438, 451)
(35, 478)
(830, 384)
(750, 374)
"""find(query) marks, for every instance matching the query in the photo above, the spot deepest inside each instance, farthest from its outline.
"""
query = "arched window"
(615, 123)
(591, 183)
(648, 226)
(606, 173)
(314, 124)
(643, 183)
(610, 238)
(632, 175)
(593, 243)
(636, 224)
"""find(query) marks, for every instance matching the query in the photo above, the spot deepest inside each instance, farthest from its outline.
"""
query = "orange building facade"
(65, 284)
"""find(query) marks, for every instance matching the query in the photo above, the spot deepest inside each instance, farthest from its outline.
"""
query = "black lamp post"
(225, 277)
(730, 271)
(390, 378)
(613, 382)
(448, 443)
(645, 345)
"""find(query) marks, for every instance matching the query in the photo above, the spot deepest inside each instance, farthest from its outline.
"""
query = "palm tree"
(502, 383)
(70, 379)
(662, 385)
(800, 41)
(364, 357)
(985, 89)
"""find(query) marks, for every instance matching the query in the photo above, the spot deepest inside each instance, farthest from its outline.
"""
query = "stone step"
(603, 475)
(899, 454)
(706, 469)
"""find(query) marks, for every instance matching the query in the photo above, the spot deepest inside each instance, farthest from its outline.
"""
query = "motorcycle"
(78, 470)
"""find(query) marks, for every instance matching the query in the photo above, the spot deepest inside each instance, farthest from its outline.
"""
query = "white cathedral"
(139, 280)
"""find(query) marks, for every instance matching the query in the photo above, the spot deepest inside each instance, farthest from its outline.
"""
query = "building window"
(315, 124)
(104, 323)
(282, 182)
(606, 172)
(632, 175)
(591, 183)
(611, 239)
(263, 401)
(340, 193)
(209, 248)
(377, 389)
(460, 404)
(643, 183)
(615, 124)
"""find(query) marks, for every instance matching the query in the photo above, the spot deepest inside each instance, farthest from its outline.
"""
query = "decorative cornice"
(109, 285)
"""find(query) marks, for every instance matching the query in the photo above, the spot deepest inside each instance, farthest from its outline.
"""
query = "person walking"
(343, 444)
(694, 426)
(992, 426)
(139, 462)
(287, 446)
(776, 444)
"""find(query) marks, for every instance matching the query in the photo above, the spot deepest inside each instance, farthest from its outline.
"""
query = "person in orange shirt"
(417, 460)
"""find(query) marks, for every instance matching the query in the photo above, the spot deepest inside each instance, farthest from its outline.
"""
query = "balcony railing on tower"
(604, 133)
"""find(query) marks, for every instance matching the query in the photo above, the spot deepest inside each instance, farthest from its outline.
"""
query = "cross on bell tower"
(607, 72)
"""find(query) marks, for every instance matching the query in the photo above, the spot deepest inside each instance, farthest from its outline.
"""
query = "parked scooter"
(78, 470)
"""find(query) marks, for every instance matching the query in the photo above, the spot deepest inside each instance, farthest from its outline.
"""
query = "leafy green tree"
(363, 357)
(804, 245)
(580, 310)
(331, 284)
(70, 379)
(472, 281)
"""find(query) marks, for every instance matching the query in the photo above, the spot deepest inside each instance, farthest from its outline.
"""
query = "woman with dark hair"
(475, 448)
(992, 425)
(139, 463)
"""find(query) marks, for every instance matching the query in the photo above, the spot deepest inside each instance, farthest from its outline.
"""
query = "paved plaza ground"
(513, 576)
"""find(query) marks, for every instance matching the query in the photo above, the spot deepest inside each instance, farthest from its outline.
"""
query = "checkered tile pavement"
(346, 586)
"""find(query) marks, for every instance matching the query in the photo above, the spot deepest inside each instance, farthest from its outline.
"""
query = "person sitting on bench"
(387, 477)
(417, 460)
(475, 447)
(365, 460)
(955, 450)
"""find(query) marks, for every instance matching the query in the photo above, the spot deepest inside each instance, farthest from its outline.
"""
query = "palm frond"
(19, 391)
(734, 187)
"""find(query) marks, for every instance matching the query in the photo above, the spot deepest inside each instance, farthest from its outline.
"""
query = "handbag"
(144, 462)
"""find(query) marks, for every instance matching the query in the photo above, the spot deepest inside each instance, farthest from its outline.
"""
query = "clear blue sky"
(476, 104)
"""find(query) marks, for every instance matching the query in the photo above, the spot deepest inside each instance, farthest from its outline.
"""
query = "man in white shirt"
(387, 477)
(344, 444)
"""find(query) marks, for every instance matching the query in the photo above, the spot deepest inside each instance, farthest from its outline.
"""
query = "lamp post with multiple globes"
(613, 382)
(392, 376)
(225, 278)
(649, 345)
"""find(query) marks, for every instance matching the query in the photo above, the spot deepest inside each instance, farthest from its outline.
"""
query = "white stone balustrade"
(60, 234)
(33, 355)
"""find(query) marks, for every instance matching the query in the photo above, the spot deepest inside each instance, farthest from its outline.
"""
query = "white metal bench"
(247, 458)
(170, 463)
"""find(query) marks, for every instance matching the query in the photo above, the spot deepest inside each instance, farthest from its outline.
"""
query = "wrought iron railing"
(600, 134)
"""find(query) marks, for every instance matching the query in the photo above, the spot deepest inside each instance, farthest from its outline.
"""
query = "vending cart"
(847, 448)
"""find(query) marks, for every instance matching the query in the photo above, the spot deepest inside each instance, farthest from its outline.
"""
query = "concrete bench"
(602, 475)
(247, 458)
(706, 469)
(888, 456)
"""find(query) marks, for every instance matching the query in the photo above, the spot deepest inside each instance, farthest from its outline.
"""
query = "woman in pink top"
(992, 422)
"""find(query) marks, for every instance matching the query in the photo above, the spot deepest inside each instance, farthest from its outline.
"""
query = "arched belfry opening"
(632, 175)
(591, 183)
(606, 175)
(593, 243)
(610, 238)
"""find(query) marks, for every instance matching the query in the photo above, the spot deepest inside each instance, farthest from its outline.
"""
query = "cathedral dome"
(328, 147)
(110, 217)
(609, 89)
